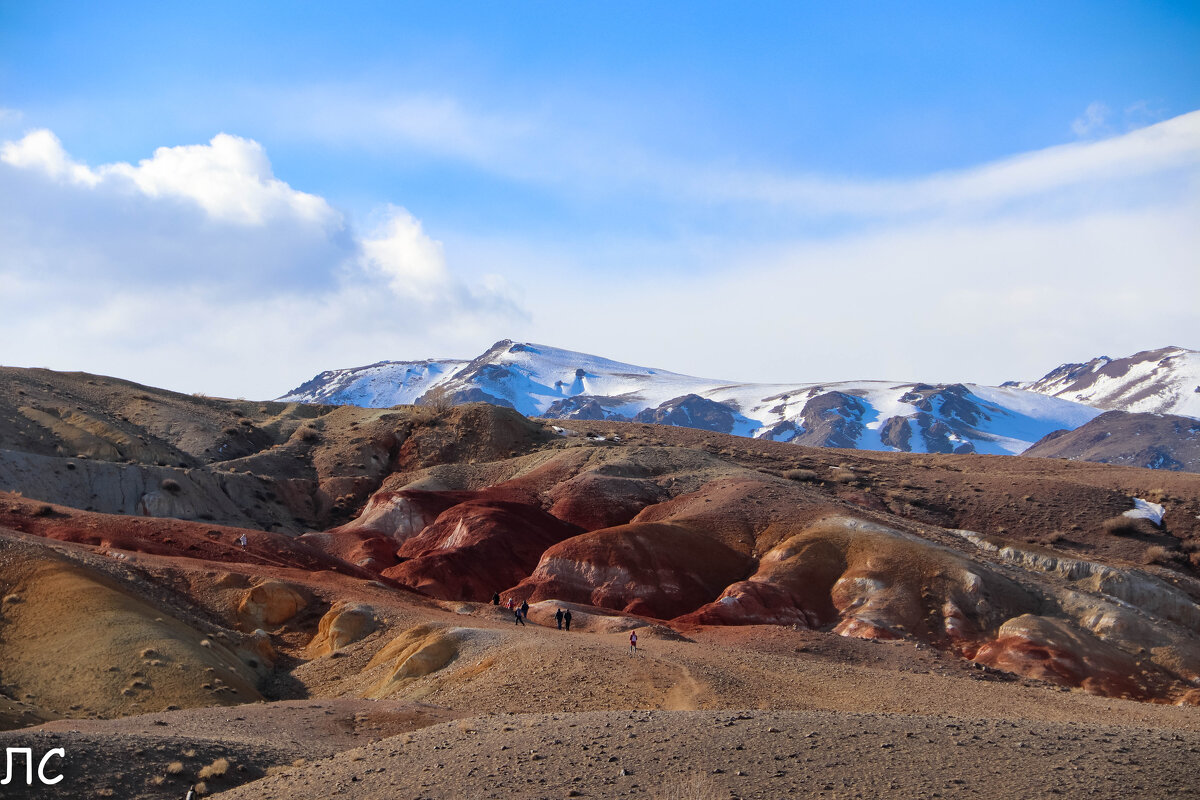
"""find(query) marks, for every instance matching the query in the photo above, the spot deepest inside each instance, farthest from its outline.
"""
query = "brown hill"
(1154, 441)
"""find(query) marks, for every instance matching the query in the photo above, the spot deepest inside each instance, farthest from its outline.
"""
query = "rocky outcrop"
(343, 624)
(269, 604)
(832, 419)
(654, 569)
(477, 548)
(690, 411)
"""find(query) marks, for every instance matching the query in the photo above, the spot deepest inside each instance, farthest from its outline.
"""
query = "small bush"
(171, 485)
(438, 400)
(43, 511)
(215, 770)
(1155, 554)
(843, 475)
(1120, 526)
(802, 475)
(175, 768)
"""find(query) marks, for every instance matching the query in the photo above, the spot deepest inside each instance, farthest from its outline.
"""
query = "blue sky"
(762, 193)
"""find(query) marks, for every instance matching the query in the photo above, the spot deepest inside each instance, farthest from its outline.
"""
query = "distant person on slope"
(242, 540)
(525, 607)
(558, 617)
(633, 643)
(567, 619)
(520, 617)
(496, 599)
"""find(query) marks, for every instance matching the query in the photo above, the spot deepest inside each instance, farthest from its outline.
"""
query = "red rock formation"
(594, 500)
(1051, 650)
(869, 582)
(401, 515)
(478, 547)
(658, 570)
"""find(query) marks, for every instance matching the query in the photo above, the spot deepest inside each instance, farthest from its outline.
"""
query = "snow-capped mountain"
(1165, 381)
(873, 415)
(382, 385)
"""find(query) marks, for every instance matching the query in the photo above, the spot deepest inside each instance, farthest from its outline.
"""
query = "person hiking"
(496, 599)
(520, 617)
(633, 643)
(191, 793)
(242, 540)
(509, 604)
(525, 607)
(558, 617)
(567, 619)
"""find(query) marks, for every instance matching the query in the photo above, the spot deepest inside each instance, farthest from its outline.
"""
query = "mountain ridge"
(542, 381)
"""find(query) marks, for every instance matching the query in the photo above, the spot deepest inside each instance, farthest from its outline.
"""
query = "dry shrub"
(1056, 537)
(175, 768)
(171, 485)
(1120, 526)
(843, 475)
(1156, 554)
(201, 788)
(1191, 546)
(215, 770)
(43, 511)
(802, 475)
(438, 400)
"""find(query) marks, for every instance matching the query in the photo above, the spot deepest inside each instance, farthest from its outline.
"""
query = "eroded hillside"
(347, 554)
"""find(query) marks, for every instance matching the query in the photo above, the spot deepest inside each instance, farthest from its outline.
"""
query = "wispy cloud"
(1093, 122)
(564, 152)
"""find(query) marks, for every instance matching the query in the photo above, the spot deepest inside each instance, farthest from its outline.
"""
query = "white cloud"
(230, 177)
(41, 150)
(400, 251)
(198, 269)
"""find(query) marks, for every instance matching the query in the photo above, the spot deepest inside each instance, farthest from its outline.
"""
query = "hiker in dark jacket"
(558, 617)
(520, 617)
(525, 608)
(496, 599)
(567, 618)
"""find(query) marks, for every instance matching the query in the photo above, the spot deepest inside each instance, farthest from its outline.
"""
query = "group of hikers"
(562, 616)
(521, 612)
